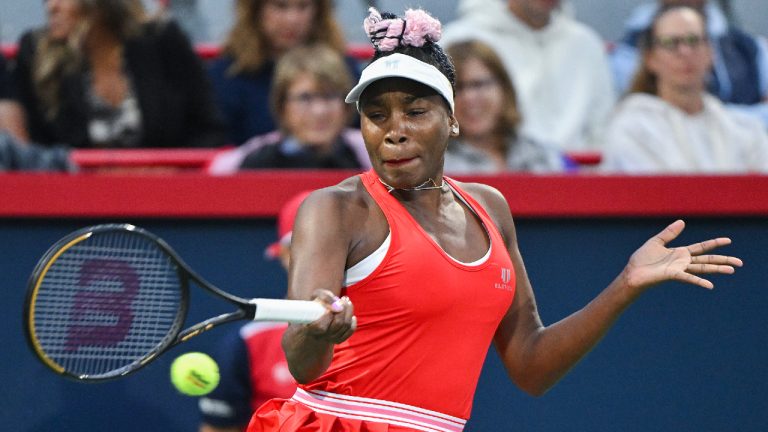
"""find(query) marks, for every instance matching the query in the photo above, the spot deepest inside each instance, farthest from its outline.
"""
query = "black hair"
(430, 53)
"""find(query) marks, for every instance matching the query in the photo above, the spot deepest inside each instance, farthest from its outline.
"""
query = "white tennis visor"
(402, 66)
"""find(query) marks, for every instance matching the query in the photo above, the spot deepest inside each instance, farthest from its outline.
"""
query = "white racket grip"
(292, 311)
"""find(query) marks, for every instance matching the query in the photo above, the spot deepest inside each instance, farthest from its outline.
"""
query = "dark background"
(681, 358)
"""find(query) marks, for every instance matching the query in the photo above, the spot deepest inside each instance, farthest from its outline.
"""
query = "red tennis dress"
(425, 322)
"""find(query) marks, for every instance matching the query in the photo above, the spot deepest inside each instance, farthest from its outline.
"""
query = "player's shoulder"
(490, 199)
(482, 193)
(344, 201)
(345, 193)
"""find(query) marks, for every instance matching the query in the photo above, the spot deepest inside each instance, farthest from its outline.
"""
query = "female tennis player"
(431, 266)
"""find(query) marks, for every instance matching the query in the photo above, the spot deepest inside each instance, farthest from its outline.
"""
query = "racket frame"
(176, 334)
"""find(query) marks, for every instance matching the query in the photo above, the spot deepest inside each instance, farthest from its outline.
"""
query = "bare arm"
(319, 249)
(537, 356)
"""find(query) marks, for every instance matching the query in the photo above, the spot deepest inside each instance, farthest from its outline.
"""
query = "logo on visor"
(393, 63)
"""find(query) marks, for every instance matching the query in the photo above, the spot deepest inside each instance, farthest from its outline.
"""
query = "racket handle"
(293, 311)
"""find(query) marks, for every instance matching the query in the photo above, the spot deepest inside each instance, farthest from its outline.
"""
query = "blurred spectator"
(100, 74)
(5, 80)
(486, 108)
(559, 66)
(5, 91)
(11, 113)
(668, 123)
(263, 31)
(17, 156)
(739, 76)
(187, 13)
(251, 359)
(308, 101)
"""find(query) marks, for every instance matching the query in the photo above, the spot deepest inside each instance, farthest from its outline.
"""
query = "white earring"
(455, 129)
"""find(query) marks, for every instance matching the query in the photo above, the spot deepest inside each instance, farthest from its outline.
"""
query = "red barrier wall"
(260, 194)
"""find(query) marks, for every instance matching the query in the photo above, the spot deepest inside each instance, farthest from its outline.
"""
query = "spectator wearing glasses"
(486, 108)
(739, 72)
(307, 100)
(668, 123)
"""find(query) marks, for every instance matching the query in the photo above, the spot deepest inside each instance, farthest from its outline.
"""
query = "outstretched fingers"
(708, 264)
(708, 245)
(722, 260)
(709, 269)
(670, 232)
(693, 280)
(656, 262)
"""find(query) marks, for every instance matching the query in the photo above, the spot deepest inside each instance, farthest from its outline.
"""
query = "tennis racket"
(106, 300)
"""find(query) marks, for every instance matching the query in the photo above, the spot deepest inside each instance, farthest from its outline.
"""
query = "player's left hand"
(654, 262)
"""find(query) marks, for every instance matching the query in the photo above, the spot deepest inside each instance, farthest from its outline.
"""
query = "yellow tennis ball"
(194, 374)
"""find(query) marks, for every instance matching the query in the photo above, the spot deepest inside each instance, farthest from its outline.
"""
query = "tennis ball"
(194, 374)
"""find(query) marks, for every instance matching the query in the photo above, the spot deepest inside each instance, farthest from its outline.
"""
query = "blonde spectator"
(486, 108)
(668, 123)
(263, 31)
(100, 74)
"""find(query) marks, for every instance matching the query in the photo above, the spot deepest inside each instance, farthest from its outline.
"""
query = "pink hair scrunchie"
(420, 27)
(415, 29)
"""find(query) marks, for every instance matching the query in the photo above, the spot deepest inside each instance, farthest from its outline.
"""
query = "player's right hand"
(336, 325)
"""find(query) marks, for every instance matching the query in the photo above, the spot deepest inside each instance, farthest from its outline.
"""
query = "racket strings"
(106, 302)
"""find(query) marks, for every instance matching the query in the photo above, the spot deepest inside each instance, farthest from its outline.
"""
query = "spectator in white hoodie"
(739, 72)
(669, 123)
(559, 66)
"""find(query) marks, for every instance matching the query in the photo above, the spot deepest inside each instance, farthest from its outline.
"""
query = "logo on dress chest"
(506, 277)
